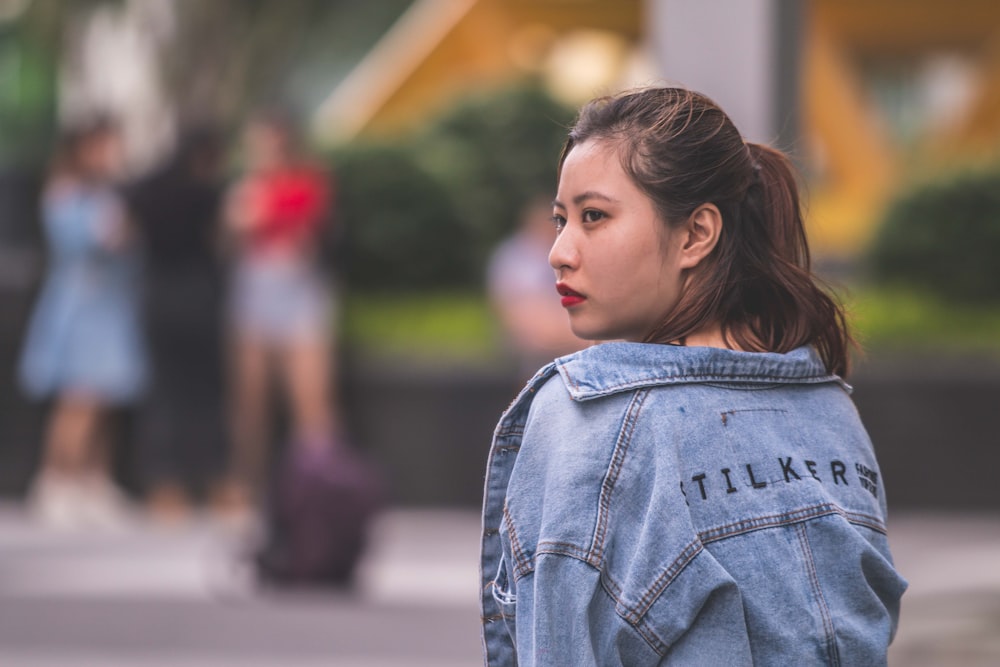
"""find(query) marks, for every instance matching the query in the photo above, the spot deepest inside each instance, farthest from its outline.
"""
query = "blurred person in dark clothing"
(84, 347)
(281, 302)
(182, 425)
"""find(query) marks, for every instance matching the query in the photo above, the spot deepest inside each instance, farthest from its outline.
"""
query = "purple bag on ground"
(321, 504)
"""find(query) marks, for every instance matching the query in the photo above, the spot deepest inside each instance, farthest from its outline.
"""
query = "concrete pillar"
(741, 53)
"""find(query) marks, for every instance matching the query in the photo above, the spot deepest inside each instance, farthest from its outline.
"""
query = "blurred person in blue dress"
(84, 350)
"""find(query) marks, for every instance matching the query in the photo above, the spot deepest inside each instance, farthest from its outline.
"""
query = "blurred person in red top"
(280, 300)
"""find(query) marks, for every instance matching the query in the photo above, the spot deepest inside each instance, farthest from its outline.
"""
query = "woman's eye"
(559, 222)
(590, 215)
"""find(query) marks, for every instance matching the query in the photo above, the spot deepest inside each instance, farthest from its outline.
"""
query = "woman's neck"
(710, 336)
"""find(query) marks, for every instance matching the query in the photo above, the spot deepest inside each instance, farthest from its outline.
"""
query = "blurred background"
(435, 126)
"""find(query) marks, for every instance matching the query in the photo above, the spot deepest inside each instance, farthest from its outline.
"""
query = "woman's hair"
(683, 151)
(283, 121)
(74, 138)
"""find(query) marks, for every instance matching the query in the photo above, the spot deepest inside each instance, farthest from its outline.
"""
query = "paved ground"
(154, 597)
(148, 596)
(951, 612)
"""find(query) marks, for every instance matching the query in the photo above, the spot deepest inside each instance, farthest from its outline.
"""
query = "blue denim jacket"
(662, 505)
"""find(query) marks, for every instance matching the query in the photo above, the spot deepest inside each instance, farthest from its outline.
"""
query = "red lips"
(570, 297)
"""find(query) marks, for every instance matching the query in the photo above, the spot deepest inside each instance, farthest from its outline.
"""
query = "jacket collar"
(610, 368)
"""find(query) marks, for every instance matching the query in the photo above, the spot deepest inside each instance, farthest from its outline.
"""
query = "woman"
(84, 345)
(280, 302)
(701, 491)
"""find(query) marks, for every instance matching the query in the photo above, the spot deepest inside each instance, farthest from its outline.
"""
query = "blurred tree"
(944, 238)
(221, 57)
(32, 38)
(402, 233)
(27, 98)
(494, 152)
(226, 56)
(427, 211)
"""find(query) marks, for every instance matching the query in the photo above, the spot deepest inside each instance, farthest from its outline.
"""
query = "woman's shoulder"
(563, 426)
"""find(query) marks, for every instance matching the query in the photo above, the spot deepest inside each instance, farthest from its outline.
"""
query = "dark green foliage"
(400, 230)
(27, 96)
(428, 212)
(494, 153)
(945, 238)
(228, 57)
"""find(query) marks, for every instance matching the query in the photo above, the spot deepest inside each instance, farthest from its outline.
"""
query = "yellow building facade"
(892, 93)
(889, 91)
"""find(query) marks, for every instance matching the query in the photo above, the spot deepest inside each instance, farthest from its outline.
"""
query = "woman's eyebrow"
(584, 196)
(592, 194)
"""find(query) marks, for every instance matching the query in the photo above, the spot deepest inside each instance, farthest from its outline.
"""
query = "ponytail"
(775, 301)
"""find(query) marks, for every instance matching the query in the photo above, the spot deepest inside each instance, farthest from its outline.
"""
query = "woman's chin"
(591, 334)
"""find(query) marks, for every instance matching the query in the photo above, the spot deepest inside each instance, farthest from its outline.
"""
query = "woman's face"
(266, 146)
(617, 263)
(100, 155)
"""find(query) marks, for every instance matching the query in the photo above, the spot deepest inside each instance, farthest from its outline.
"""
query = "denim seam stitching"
(613, 590)
(550, 549)
(670, 574)
(726, 414)
(824, 610)
(569, 378)
(766, 521)
(521, 561)
(667, 577)
(614, 470)
(795, 516)
(610, 587)
(866, 520)
(687, 379)
(563, 549)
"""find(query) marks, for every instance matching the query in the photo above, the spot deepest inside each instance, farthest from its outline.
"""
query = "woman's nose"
(564, 253)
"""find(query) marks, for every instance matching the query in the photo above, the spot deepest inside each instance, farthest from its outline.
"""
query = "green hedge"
(899, 320)
(944, 238)
(437, 326)
(460, 327)
(400, 229)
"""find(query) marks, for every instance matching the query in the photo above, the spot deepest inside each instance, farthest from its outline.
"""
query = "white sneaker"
(103, 505)
(54, 500)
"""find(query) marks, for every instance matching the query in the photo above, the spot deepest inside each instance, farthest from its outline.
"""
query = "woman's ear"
(700, 234)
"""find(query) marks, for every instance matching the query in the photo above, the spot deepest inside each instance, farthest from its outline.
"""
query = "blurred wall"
(725, 49)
